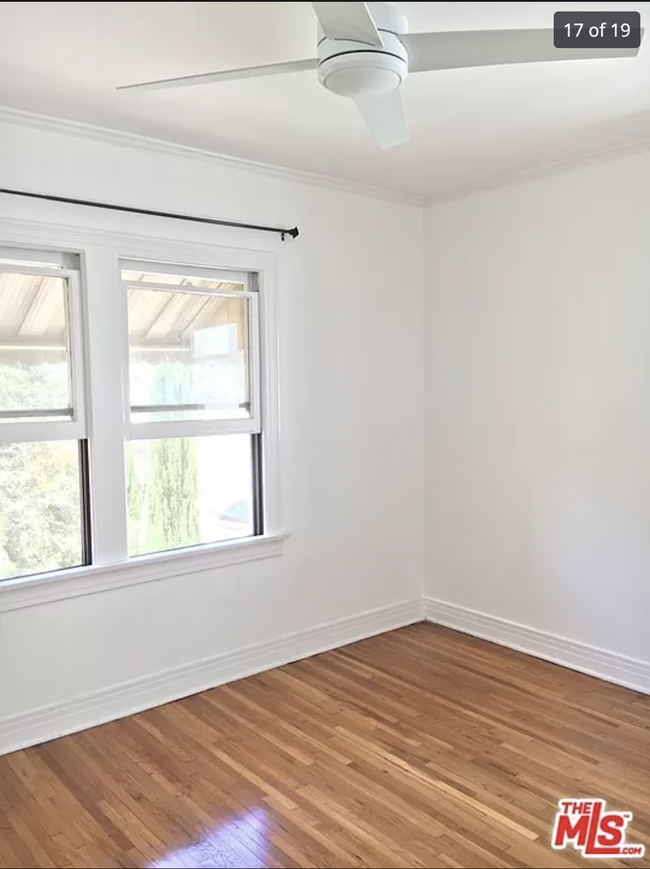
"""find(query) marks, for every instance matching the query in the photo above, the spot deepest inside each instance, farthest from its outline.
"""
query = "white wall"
(538, 405)
(350, 292)
(534, 364)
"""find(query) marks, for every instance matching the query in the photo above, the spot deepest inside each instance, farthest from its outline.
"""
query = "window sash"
(197, 428)
(25, 432)
(189, 428)
(74, 428)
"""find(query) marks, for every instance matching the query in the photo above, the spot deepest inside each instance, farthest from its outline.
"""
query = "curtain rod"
(282, 232)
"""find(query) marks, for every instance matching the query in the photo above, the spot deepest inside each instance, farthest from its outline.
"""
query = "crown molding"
(135, 142)
(542, 170)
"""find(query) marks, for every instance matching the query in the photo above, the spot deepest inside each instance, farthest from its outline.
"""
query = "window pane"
(40, 507)
(187, 491)
(34, 348)
(188, 356)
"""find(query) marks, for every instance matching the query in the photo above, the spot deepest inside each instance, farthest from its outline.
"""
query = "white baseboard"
(610, 666)
(49, 722)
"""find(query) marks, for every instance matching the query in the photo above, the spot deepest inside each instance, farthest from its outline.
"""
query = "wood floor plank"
(421, 747)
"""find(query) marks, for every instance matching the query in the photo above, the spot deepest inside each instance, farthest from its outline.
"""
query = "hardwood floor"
(422, 747)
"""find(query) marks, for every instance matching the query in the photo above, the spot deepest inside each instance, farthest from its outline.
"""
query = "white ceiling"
(468, 127)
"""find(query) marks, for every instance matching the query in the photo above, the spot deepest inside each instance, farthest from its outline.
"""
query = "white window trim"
(100, 253)
(78, 581)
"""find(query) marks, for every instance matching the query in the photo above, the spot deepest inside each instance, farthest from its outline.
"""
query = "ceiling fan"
(365, 52)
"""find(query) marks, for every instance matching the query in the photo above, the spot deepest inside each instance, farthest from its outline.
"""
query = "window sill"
(78, 581)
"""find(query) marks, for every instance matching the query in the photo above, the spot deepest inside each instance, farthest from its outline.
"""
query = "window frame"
(103, 317)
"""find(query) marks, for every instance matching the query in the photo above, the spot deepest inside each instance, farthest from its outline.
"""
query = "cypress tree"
(173, 510)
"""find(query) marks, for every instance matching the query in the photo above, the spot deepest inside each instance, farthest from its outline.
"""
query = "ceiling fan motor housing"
(356, 69)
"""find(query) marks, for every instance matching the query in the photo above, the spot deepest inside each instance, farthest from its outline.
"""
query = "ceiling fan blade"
(351, 21)
(428, 51)
(386, 118)
(224, 75)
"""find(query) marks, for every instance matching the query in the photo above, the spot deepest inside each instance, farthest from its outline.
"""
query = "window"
(44, 508)
(132, 400)
(194, 430)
